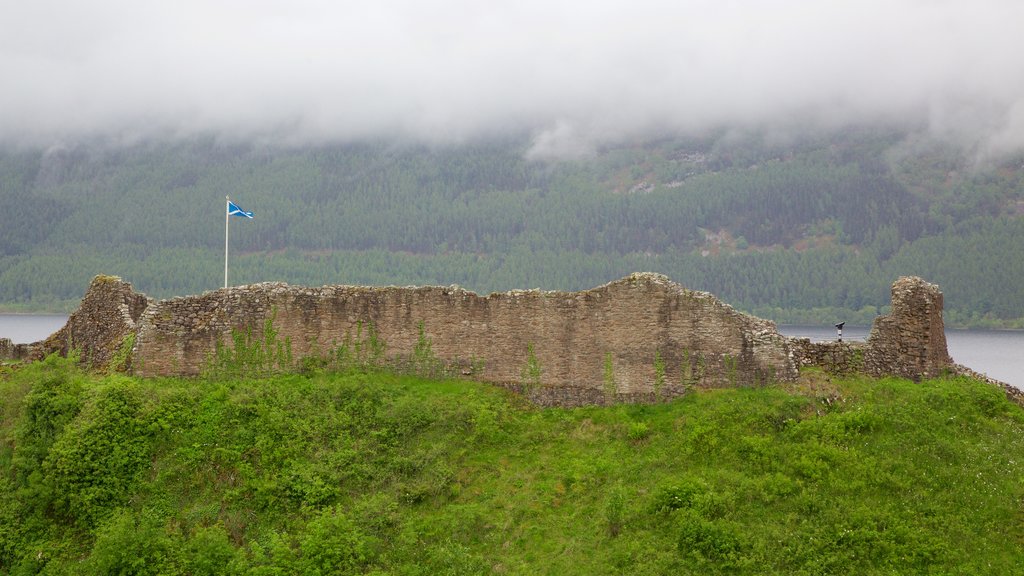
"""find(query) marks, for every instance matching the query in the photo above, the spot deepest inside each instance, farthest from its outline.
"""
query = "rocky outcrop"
(911, 340)
(104, 323)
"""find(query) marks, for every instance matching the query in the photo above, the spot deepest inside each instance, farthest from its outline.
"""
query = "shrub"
(54, 400)
(332, 544)
(93, 465)
(209, 553)
(683, 494)
(127, 544)
(705, 539)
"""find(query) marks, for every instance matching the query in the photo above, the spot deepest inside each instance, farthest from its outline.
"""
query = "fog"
(571, 75)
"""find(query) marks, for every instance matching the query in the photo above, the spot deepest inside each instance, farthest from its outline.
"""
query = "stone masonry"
(586, 344)
(11, 351)
(104, 320)
(911, 340)
(832, 357)
(634, 339)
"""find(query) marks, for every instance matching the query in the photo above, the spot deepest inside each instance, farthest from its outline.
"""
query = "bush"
(126, 544)
(209, 553)
(638, 432)
(332, 544)
(683, 494)
(705, 539)
(54, 400)
(93, 465)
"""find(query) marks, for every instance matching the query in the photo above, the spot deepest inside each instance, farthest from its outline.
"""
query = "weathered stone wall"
(105, 318)
(833, 357)
(911, 340)
(613, 341)
(575, 336)
(11, 351)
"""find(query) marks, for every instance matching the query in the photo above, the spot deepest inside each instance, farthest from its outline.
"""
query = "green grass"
(386, 474)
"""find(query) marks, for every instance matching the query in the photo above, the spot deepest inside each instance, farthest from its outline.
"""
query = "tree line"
(810, 225)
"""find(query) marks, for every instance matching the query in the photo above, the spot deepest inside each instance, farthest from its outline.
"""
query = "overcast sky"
(571, 74)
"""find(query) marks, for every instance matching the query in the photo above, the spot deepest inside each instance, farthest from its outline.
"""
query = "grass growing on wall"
(388, 474)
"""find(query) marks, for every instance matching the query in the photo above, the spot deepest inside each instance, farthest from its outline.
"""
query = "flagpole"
(226, 219)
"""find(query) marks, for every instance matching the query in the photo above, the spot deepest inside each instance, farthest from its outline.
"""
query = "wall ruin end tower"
(911, 340)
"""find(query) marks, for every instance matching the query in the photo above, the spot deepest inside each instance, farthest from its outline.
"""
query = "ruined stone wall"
(911, 341)
(833, 357)
(611, 342)
(105, 318)
(9, 351)
(577, 338)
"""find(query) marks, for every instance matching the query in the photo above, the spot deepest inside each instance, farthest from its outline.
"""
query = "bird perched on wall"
(839, 330)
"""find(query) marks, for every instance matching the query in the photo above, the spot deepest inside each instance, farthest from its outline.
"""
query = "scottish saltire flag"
(234, 210)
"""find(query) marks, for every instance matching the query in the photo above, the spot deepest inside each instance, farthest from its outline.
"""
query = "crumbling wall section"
(104, 322)
(639, 337)
(833, 357)
(9, 351)
(910, 341)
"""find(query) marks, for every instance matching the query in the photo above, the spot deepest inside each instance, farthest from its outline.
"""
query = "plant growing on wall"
(686, 370)
(731, 371)
(121, 361)
(532, 372)
(692, 369)
(729, 363)
(364, 352)
(424, 361)
(252, 355)
(659, 373)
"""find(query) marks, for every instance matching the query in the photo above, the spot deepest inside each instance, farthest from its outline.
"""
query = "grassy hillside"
(376, 473)
(813, 229)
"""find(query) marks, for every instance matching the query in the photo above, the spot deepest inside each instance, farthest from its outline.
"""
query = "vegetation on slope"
(377, 473)
(813, 229)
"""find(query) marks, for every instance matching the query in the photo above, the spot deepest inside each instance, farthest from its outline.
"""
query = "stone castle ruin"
(637, 339)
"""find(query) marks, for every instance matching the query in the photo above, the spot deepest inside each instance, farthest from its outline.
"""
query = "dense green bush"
(97, 460)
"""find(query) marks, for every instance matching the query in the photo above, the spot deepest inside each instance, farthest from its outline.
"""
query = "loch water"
(27, 328)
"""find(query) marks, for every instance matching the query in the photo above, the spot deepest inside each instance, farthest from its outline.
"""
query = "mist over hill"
(573, 77)
(793, 159)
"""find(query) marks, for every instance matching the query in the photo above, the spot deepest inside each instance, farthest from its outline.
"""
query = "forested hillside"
(810, 229)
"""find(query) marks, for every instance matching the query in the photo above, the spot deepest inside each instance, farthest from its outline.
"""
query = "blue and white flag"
(234, 210)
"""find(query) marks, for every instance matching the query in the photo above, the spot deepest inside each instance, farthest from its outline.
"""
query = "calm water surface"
(998, 353)
(27, 328)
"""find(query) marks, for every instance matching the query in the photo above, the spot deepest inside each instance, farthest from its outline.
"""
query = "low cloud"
(574, 74)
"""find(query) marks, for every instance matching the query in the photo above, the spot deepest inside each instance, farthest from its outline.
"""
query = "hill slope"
(360, 473)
